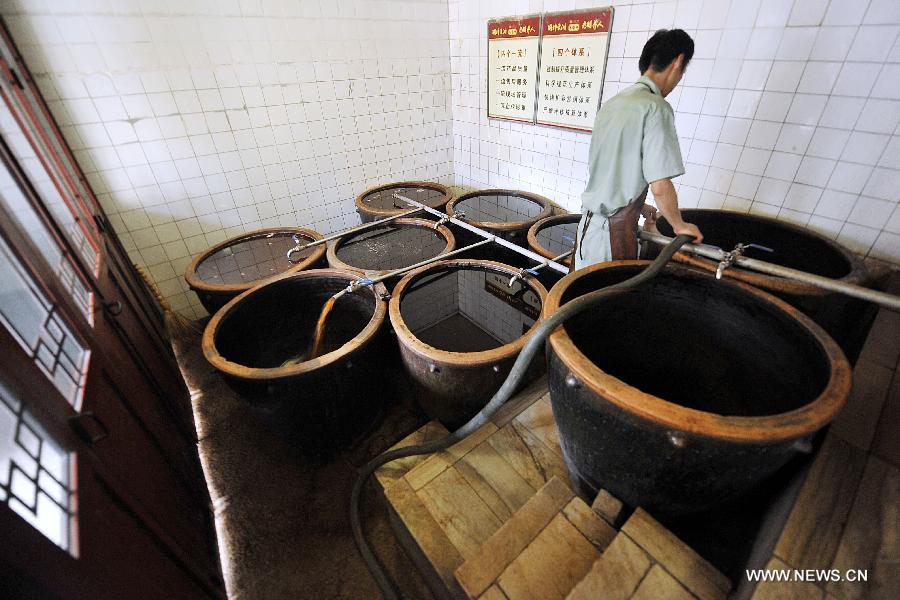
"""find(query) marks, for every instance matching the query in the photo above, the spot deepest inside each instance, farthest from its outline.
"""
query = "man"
(634, 146)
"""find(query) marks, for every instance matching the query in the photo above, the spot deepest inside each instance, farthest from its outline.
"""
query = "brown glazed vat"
(393, 245)
(846, 319)
(378, 202)
(459, 335)
(551, 237)
(240, 263)
(315, 404)
(505, 213)
(687, 392)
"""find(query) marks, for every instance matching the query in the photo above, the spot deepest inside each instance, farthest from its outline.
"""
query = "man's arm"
(667, 200)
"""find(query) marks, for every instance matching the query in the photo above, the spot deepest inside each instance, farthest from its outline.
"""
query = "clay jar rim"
(446, 357)
(503, 226)
(198, 285)
(535, 229)
(797, 423)
(239, 371)
(858, 274)
(387, 212)
(337, 263)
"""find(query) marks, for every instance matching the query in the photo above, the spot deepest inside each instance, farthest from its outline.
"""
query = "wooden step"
(540, 552)
(646, 560)
(388, 474)
(445, 506)
(609, 508)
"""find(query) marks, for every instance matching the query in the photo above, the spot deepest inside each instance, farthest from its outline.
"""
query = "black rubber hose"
(519, 368)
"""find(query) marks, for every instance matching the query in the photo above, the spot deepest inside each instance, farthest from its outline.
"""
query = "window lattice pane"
(35, 473)
(18, 206)
(40, 331)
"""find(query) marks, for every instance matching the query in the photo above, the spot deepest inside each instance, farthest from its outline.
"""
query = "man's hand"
(667, 199)
(689, 229)
(650, 214)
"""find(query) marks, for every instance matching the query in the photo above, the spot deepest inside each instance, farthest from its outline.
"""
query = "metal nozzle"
(517, 276)
(354, 285)
(440, 222)
(729, 257)
(296, 249)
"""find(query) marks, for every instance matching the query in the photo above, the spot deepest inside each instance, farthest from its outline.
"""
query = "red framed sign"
(513, 48)
(574, 48)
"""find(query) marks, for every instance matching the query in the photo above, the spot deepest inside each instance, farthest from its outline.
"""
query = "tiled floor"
(456, 333)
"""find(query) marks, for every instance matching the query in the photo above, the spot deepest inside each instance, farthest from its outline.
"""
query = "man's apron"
(609, 236)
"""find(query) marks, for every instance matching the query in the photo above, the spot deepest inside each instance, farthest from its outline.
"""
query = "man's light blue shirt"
(634, 143)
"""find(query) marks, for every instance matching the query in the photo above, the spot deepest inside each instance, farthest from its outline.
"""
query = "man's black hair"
(663, 47)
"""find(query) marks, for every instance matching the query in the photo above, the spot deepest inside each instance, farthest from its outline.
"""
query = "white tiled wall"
(499, 319)
(430, 303)
(558, 238)
(790, 108)
(197, 120)
(462, 291)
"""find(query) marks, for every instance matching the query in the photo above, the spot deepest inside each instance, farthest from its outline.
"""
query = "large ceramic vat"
(460, 327)
(379, 202)
(555, 235)
(240, 263)
(552, 237)
(687, 392)
(257, 341)
(394, 245)
(846, 319)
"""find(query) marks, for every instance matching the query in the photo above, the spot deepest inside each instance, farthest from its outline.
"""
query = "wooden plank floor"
(847, 516)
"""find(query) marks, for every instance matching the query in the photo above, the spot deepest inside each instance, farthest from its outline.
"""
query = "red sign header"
(515, 28)
(577, 23)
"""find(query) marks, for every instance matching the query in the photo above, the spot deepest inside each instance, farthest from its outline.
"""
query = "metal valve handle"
(729, 257)
(446, 219)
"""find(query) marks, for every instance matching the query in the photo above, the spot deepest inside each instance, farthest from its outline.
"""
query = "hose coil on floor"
(541, 332)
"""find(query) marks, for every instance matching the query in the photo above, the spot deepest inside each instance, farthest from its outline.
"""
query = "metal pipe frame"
(299, 247)
(523, 251)
(366, 281)
(711, 252)
(533, 271)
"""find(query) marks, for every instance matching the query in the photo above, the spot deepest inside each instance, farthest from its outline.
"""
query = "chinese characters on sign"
(513, 46)
(526, 303)
(573, 62)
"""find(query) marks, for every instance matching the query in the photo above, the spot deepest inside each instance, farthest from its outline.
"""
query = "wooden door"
(87, 375)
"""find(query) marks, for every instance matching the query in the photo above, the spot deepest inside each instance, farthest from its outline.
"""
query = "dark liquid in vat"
(453, 310)
(391, 247)
(498, 208)
(276, 326)
(384, 199)
(251, 260)
(696, 343)
(791, 248)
